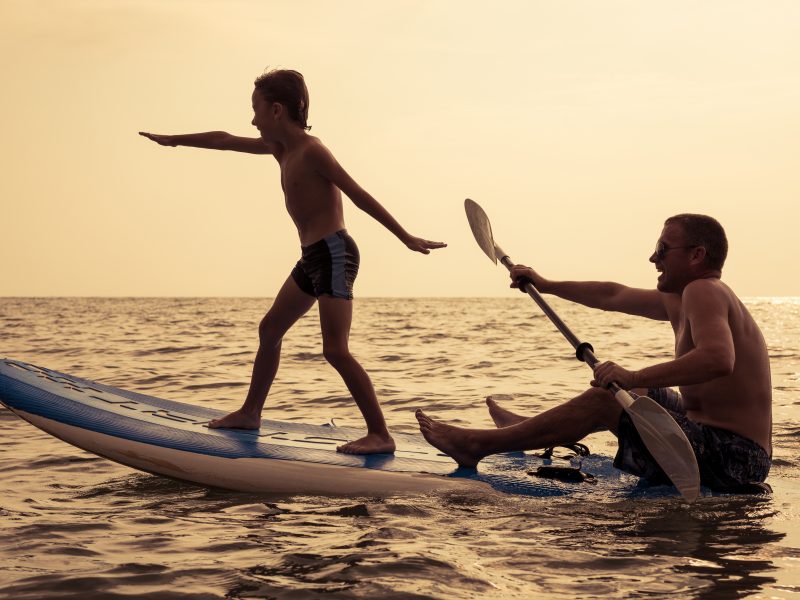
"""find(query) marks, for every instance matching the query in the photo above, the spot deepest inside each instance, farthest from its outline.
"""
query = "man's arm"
(604, 295)
(213, 140)
(713, 355)
(328, 167)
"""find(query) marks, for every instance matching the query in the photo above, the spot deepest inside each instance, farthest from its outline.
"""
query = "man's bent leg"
(568, 423)
(502, 417)
(290, 304)
(335, 315)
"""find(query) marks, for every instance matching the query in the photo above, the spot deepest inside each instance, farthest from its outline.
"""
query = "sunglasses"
(662, 249)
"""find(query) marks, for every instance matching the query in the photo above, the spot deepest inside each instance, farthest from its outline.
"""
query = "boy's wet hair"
(705, 231)
(289, 89)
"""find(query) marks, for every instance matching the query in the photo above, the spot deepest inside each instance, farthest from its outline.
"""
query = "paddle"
(660, 433)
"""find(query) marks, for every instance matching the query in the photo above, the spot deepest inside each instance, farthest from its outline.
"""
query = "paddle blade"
(668, 444)
(481, 228)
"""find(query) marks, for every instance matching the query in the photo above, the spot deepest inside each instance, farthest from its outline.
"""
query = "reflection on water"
(434, 546)
(718, 542)
(76, 526)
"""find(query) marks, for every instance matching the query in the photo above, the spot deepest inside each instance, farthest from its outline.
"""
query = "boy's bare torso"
(739, 402)
(314, 203)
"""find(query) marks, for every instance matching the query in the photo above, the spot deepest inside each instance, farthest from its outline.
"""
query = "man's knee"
(601, 406)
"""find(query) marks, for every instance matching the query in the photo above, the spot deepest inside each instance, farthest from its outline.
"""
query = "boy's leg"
(568, 423)
(335, 316)
(290, 304)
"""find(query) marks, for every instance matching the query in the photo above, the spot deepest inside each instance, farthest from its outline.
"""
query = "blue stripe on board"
(206, 414)
(223, 443)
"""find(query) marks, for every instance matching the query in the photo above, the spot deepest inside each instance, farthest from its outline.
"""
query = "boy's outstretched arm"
(327, 166)
(213, 140)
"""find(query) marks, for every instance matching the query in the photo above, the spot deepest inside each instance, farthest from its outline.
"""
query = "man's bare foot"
(371, 443)
(501, 416)
(236, 420)
(453, 441)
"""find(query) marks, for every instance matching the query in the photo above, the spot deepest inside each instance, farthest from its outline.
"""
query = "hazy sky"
(579, 126)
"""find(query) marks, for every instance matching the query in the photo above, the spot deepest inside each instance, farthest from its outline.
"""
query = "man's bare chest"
(683, 337)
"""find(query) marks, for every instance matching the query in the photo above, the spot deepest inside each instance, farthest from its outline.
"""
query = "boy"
(311, 179)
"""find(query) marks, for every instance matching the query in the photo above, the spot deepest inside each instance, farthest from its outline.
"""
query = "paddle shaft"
(583, 350)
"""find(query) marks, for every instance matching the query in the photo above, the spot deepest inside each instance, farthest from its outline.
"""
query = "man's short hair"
(705, 231)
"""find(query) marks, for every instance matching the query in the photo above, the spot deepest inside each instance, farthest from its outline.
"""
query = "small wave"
(218, 324)
(62, 461)
(239, 353)
(65, 351)
(484, 364)
(102, 587)
(169, 350)
(155, 379)
(216, 385)
(391, 358)
(307, 356)
(356, 510)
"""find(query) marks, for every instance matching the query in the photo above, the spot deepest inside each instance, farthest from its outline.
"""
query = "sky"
(578, 126)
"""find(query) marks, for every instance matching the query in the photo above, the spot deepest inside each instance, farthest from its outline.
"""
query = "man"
(721, 368)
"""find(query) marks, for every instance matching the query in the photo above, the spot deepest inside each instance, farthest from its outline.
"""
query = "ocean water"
(73, 525)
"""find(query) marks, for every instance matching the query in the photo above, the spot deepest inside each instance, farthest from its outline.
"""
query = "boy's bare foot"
(236, 420)
(501, 416)
(453, 441)
(369, 444)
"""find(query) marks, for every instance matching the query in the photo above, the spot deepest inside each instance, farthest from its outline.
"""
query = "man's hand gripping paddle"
(660, 433)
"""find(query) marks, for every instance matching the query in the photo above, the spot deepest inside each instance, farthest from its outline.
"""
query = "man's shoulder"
(708, 285)
(709, 291)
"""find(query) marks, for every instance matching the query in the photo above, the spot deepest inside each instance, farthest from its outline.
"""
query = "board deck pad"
(167, 425)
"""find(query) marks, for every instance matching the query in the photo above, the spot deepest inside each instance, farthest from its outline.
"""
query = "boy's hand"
(164, 140)
(425, 246)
